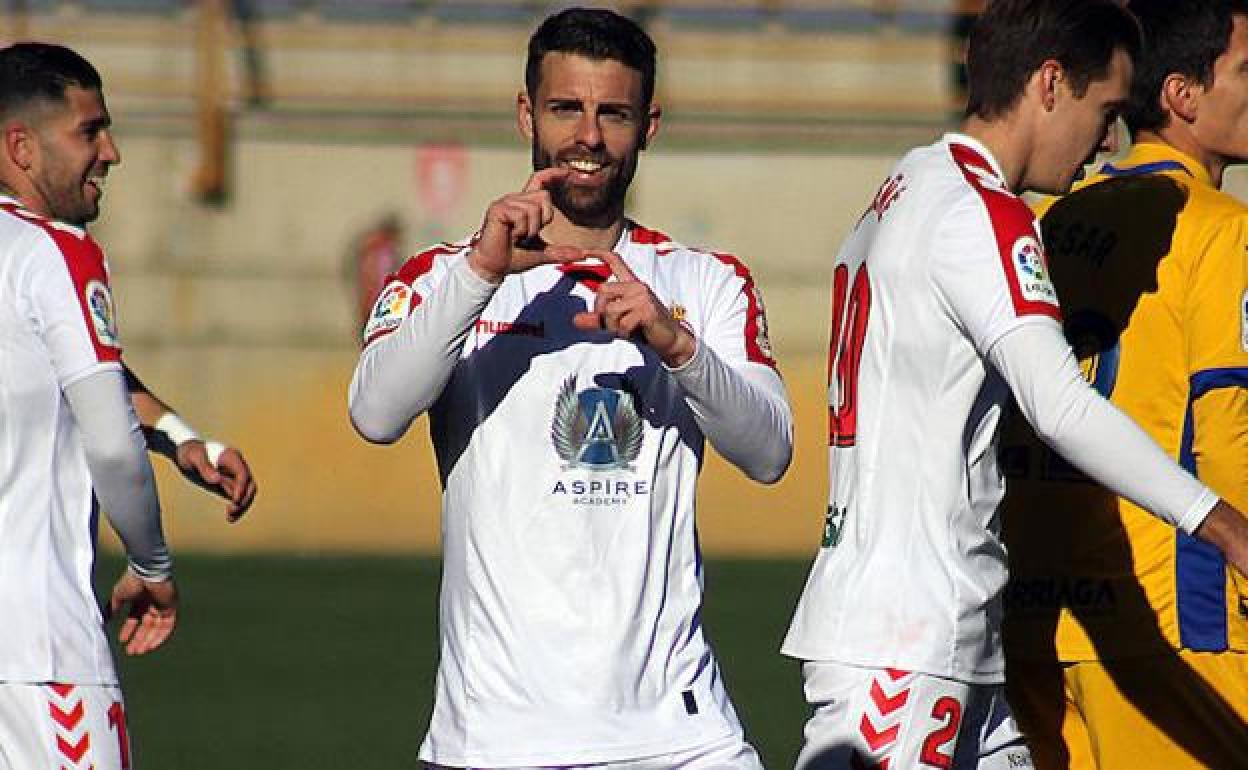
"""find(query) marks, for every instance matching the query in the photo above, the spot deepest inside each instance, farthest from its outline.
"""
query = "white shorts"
(869, 718)
(72, 727)
(731, 753)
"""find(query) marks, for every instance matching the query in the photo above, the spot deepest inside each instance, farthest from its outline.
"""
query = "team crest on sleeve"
(1028, 262)
(392, 306)
(99, 302)
(596, 429)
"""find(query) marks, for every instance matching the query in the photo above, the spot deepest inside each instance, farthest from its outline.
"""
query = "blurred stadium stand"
(262, 138)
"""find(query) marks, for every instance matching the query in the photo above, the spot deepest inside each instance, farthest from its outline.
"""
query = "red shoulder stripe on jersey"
(85, 262)
(647, 237)
(395, 302)
(757, 343)
(1011, 221)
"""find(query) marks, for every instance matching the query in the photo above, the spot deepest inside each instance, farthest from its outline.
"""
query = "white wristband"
(214, 449)
(175, 428)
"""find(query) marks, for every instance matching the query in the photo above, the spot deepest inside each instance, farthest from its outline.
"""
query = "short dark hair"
(1012, 38)
(41, 72)
(1181, 37)
(595, 33)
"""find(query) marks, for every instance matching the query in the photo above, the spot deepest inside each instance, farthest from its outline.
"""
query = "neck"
(562, 232)
(1182, 140)
(1004, 140)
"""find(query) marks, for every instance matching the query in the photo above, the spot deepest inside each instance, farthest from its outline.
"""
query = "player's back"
(1154, 308)
(53, 629)
(911, 568)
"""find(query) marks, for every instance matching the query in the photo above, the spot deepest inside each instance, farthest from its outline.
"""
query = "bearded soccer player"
(71, 434)
(574, 364)
(942, 307)
(1125, 639)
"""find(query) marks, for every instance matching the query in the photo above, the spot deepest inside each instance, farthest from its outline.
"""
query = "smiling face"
(588, 115)
(73, 150)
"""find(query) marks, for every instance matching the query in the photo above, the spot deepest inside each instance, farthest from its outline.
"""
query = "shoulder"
(41, 247)
(678, 255)
(430, 260)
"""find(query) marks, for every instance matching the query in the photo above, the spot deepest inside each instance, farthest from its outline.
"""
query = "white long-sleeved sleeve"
(399, 376)
(120, 471)
(743, 411)
(1090, 432)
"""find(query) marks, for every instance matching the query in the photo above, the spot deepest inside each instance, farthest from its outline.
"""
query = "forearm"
(401, 375)
(743, 412)
(120, 472)
(148, 407)
(1092, 434)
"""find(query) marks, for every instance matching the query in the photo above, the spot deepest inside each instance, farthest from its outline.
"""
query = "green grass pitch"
(308, 662)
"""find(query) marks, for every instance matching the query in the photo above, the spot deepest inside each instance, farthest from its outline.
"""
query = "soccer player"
(71, 436)
(1126, 640)
(942, 306)
(574, 364)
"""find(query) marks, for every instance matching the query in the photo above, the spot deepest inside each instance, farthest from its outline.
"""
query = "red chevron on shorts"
(879, 728)
(68, 713)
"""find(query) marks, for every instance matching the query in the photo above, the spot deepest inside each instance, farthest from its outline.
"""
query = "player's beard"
(599, 206)
(63, 190)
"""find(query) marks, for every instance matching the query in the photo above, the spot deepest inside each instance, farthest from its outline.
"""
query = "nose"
(588, 132)
(108, 149)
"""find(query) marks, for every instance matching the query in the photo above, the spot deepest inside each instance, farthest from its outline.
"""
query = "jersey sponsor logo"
(1034, 283)
(1047, 594)
(1243, 322)
(833, 525)
(596, 429)
(522, 328)
(392, 306)
(103, 317)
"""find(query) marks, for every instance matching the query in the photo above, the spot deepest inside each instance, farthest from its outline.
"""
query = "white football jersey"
(944, 262)
(57, 326)
(572, 579)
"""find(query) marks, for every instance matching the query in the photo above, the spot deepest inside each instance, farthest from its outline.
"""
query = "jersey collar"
(27, 214)
(980, 150)
(1156, 157)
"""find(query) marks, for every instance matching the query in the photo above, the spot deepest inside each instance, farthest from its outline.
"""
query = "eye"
(619, 115)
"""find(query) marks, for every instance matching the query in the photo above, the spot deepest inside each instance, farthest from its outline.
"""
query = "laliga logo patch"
(1033, 276)
(103, 318)
(390, 309)
(597, 429)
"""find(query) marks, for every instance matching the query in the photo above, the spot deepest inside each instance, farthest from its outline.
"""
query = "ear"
(1180, 96)
(20, 146)
(1048, 78)
(524, 115)
(653, 116)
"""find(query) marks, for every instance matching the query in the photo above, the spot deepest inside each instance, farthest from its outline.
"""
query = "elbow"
(773, 468)
(372, 429)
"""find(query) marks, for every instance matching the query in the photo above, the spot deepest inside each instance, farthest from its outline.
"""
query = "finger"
(588, 322)
(154, 631)
(128, 627)
(564, 254)
(528, 218)
(614, 261)
(543, 178)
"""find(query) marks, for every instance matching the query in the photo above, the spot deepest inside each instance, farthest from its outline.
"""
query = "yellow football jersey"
(1150, 261)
